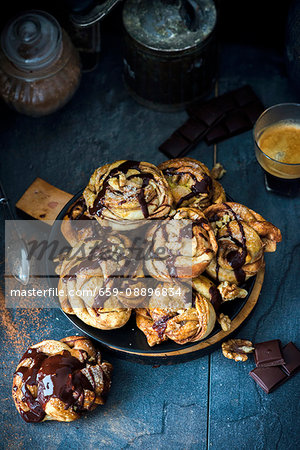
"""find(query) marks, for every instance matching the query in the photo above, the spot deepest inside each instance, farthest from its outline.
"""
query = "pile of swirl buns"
(227, 242)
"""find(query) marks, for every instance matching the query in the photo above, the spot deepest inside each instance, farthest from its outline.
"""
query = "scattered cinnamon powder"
(25, 321)
(13, 336)
(18, 325)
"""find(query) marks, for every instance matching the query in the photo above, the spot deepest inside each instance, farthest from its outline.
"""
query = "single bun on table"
(60, 380)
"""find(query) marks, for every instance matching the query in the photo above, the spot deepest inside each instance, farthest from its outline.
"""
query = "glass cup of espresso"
(277, 147)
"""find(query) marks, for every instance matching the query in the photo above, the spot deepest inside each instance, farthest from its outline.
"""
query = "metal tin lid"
(32, 40)
(169, 25)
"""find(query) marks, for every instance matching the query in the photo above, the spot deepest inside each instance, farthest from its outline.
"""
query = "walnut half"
(237, 349)
(230, 291)
(224, 321)
(217, 171)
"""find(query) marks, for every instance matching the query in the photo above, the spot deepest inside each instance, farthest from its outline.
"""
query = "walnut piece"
(224, 321)
(237, 349)
(230, 291)
(217, 171)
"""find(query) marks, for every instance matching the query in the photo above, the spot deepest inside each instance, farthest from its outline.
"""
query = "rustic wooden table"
(208, 403)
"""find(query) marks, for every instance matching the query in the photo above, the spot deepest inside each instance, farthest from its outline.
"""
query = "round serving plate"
(130, 343)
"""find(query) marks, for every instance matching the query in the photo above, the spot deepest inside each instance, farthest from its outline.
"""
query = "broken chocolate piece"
(215, 120)
(192, 130)
(291, 356)
(237, 122)
(185, 138)
(174, 146)
(206, 112)
(226, 104)
(209, 112)
(216, 134)
(268, 354)
(268, 378)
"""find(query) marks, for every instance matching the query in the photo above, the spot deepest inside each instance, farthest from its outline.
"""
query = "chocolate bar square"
(291, 356)
(192, 130)
(215, 120)
(268, 378)
(237, 122)
(268, 354)
(216, 134)
(207, 112)
(174, 146)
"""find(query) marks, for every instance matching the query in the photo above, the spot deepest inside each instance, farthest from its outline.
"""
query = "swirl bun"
(170, 318)
(82, 280)
(127, 192)
(191, 183)
(243, 236)
(189, 242)
(59, 380)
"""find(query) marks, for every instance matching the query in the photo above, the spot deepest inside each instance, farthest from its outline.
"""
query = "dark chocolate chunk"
(268, 378)
(215, 120)
(206, 112)
(234, 123)
(291, 356)
(192, 130)
(216, 134)
(174, 146)
(240, 110)
(268, 354)
(211, 111)
(237, 122)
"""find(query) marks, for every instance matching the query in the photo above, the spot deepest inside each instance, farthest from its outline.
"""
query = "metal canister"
(170, 51)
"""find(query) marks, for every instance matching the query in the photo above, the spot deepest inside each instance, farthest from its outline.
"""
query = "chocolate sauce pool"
(55, 376)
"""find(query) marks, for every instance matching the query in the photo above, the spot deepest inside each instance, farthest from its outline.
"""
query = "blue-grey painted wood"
(163, 407)
(148, 407)
(242, 416)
